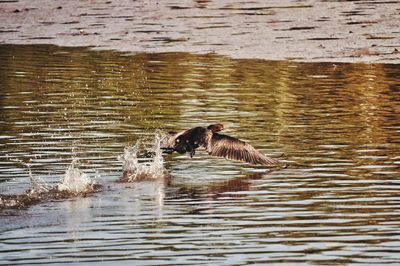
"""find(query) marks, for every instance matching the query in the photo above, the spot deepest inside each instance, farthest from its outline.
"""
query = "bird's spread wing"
(235, 149)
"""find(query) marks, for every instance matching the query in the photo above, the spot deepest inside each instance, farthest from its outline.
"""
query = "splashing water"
(75, 181)
(135, 170)
(158, 160)
(129, 158)
(37, 185)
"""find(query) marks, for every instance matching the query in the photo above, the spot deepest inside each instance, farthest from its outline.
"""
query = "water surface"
(337, 125)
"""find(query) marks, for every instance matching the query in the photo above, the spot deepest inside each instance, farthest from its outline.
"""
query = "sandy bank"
(336, 31)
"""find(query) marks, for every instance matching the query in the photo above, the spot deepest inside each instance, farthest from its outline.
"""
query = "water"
(75, 180)
(73, 183)
(135, 170)
(336, 124)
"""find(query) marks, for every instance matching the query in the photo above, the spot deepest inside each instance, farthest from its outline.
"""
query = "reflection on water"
(337, 124)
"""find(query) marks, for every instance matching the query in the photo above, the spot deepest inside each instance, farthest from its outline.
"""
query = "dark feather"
(216, 144)
(235, 149)
(184, 141)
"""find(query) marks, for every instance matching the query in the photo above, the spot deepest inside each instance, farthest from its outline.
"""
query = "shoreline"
(305, 31)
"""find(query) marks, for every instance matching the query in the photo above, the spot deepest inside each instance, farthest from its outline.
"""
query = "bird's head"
(215, 127)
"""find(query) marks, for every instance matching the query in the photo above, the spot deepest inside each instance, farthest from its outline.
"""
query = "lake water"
(337, 126)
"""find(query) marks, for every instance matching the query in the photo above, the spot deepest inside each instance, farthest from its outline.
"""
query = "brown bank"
(336, 31)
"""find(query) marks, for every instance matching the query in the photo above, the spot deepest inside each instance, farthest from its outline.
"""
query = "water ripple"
(335, 125)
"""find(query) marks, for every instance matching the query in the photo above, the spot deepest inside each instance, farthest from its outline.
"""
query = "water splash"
(134, 170)
(75, 181)
(37, 185)
(129, 158)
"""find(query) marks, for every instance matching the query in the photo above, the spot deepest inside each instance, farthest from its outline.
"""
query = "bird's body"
(215, 144)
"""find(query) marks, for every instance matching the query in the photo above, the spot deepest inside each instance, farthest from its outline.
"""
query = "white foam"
(135, 170)
(75, 180)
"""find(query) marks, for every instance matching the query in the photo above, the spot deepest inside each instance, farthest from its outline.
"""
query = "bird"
(215, 144)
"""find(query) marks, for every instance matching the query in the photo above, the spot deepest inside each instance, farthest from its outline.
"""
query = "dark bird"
(215, 144)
